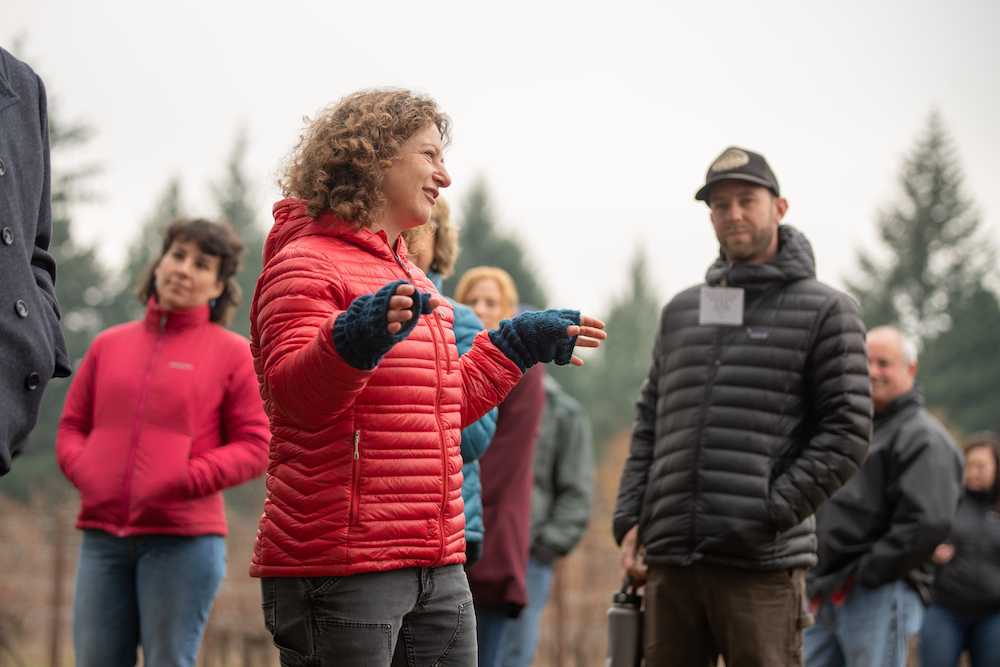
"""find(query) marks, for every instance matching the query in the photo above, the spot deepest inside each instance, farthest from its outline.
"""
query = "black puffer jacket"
(743, 431)
(969, 583)
(884, 524)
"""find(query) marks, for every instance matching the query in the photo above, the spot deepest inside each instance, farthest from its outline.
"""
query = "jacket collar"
(292, 221)
(909, 400)
(7, 94)
(794, 261)
(159, 319)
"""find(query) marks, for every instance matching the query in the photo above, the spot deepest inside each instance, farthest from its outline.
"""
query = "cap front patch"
(730, 159)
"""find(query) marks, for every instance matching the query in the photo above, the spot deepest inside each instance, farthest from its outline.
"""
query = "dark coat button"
(32, 381)
(21, 308)
(7, 235)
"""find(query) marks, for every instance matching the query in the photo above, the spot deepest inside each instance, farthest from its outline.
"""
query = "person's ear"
(780, 207)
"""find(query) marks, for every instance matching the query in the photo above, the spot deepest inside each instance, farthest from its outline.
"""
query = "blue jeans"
(870, 629)
(522, 636)
(492, 625)
(946, 634)
(153, 591)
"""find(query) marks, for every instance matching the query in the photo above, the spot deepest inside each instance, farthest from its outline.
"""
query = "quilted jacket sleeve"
(840, 401)
(487, 377)
(243, 455)
(476, 436)
(297, 304)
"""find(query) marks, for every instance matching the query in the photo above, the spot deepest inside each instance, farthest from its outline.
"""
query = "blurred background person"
(163, 414)
(32, 349)
(877, 533)
(498, 579)
(965, 611)
(361, 544)
(434, 249)
(561, 500)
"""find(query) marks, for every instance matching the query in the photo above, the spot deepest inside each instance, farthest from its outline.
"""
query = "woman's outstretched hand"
(401, 307)
(590, 332)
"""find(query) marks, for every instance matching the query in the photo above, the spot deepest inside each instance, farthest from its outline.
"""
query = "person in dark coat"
(965, 611)
(755, 411)
(877, 534)
(498, 579)
(31, 342)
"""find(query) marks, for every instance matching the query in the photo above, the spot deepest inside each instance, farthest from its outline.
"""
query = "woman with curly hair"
(361, 542)
(163, 414)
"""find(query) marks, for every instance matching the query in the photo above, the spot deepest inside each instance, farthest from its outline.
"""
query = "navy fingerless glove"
(360, 335)
(536, 337)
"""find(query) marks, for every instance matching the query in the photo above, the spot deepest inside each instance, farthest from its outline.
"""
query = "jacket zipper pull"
(357, 439)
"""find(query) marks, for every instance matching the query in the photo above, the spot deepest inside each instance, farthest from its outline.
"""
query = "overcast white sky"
(592, 122)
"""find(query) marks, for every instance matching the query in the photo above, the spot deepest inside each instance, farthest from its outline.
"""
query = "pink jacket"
(162, 415)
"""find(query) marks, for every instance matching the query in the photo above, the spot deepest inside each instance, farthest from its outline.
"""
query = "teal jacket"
(477, 436)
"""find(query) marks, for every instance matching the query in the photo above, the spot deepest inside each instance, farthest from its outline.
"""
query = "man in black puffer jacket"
(756, 410)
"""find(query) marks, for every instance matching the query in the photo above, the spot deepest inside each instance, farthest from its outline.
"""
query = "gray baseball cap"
(739, 164)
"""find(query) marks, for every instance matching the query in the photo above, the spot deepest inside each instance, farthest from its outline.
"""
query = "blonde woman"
(498, 581)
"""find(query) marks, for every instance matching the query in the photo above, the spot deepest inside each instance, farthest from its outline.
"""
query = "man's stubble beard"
(760, 240)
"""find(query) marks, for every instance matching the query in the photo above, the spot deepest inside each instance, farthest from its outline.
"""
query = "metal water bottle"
(625, 628)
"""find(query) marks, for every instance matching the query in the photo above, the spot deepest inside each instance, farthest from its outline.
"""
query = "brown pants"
(697, 613)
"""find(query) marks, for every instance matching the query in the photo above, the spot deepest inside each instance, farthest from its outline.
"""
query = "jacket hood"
(794, 261)
(292, 221)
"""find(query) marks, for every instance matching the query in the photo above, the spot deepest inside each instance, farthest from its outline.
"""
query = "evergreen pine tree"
(234, 197)
(481, 243)
(608, 385)
(934, 283)
(957, 370)
(933, 243)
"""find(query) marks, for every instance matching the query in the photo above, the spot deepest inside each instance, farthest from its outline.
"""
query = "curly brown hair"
(212, 238)
(343, 153)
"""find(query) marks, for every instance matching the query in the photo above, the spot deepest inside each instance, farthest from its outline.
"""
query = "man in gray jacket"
(560, 508)
(31, 343)
(756, 410)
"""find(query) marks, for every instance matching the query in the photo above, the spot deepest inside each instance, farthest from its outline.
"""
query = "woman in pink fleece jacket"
(163, 414)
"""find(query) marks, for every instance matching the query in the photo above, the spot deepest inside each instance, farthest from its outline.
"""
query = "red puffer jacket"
(365, 472)
(162, 415)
